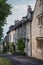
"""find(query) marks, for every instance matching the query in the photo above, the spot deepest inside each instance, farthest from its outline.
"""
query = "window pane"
(40, 44)
(42, 1)
(42, 20)
(39, 21)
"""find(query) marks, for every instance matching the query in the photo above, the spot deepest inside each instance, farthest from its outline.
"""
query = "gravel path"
(21, 60)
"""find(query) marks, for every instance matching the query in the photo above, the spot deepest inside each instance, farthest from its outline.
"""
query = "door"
(28, 48)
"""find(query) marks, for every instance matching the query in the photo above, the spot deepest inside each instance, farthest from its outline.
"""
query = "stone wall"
(38, 53)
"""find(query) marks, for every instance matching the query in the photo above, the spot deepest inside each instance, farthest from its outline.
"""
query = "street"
(21, 60)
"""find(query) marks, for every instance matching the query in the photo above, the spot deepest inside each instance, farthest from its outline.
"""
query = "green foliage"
(4, 61)
(20, 45)
(1, 32)
(12, 47)
(4, 12)
(4, 49)
(9, 47)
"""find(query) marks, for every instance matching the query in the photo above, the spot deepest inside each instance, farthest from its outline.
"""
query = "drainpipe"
(31, 37)
(22, 28)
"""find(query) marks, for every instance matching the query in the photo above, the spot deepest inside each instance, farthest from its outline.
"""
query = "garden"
(4, 61)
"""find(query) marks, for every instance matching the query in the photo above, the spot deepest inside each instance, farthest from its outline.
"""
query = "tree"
(4, 12)
(20, 45)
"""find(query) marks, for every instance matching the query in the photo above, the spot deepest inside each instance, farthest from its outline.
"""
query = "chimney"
(16, 21)
(29, 9)
(11, 27)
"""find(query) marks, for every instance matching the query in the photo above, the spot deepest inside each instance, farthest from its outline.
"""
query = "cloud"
(22, 7)
(19, 2)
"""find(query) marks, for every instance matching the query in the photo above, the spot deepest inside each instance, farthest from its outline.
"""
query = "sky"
(19, 9)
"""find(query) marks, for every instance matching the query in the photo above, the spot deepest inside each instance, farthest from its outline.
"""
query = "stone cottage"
(22, 29)
(37, 30)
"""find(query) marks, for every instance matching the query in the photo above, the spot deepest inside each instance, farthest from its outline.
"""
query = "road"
(21, 60)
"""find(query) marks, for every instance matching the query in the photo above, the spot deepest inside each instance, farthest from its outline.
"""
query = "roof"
(24, 20)
(11, 28)
(6, 39)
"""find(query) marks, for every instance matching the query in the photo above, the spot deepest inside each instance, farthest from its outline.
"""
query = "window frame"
(39, 44)
(40, 20)
(40, 2)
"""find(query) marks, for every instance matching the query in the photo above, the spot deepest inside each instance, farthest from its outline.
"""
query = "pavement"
(21, 60)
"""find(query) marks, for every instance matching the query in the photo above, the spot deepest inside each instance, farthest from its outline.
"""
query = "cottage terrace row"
(30, 28)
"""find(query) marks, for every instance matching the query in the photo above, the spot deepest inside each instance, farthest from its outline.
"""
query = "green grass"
(4, 61)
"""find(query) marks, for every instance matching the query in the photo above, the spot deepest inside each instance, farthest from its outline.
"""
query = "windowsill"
(40, 26)
(40, 50)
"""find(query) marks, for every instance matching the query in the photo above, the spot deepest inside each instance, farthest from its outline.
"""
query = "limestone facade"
(37, 30)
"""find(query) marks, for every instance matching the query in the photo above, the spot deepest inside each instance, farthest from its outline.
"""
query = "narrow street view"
(21, 32)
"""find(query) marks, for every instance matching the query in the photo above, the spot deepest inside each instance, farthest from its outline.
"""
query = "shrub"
(20, 46)
(10, 47)
(4, 49)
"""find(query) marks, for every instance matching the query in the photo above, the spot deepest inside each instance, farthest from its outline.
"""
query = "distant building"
(1, 46)
(11, 33)
(22, 29)
(6, 39)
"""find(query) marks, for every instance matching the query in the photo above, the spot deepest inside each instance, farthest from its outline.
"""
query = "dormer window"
(40, 2)
(29, 10)
(40, 21)
(29, 15)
